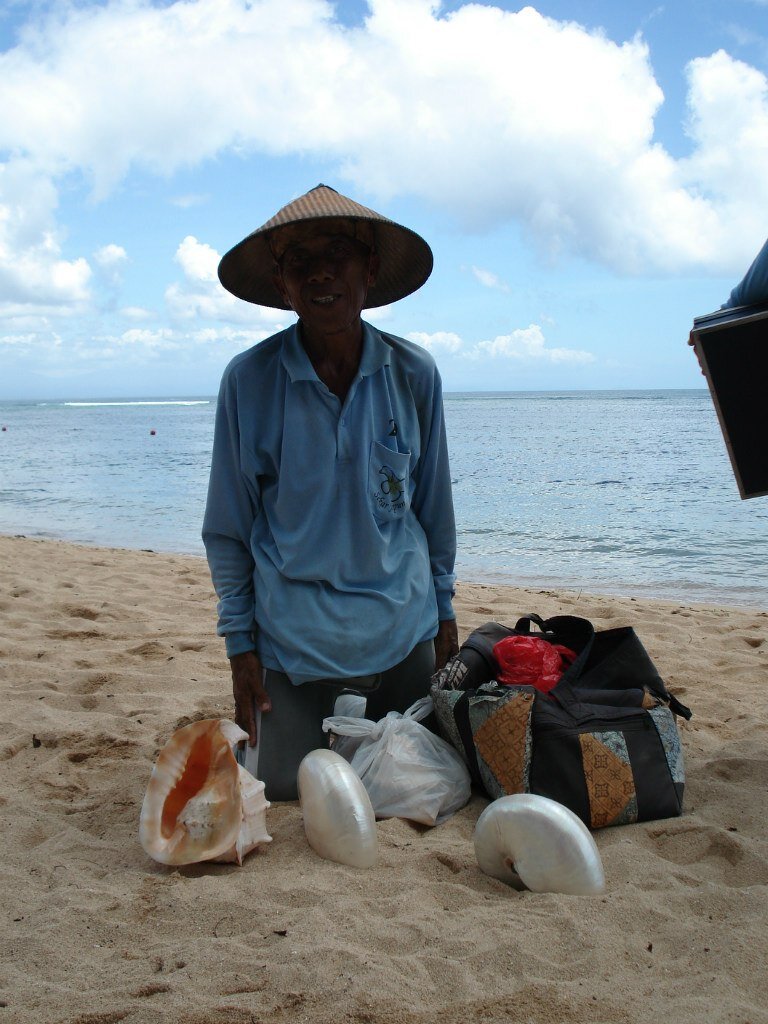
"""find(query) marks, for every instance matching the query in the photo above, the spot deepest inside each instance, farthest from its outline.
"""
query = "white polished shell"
(338, 817)
(540, 842)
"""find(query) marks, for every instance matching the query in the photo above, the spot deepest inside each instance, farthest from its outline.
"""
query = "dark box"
(732, 347)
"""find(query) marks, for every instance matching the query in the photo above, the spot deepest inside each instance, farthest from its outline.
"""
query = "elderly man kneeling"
(329, 525)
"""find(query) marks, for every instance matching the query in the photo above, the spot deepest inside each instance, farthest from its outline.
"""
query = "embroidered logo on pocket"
(391, 485)
(388, 478)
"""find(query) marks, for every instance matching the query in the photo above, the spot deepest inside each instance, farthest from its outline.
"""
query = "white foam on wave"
(196, 401)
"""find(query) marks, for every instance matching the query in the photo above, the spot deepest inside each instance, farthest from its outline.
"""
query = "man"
(329, 525)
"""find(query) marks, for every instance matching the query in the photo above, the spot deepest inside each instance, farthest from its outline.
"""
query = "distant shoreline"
(688, 595)
(185, 399)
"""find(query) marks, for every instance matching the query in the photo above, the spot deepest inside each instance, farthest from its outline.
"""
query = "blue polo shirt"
(329, 527)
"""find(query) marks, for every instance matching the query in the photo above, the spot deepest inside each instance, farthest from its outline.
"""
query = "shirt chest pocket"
(388, 482)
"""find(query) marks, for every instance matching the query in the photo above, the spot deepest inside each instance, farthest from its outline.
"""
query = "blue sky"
(590, 174)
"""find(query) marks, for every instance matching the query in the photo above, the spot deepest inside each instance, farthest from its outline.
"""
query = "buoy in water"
(152, 433)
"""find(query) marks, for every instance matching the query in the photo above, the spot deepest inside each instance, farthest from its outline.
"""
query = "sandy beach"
(103, 653)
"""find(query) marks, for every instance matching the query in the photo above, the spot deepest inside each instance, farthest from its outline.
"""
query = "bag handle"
(523, 624)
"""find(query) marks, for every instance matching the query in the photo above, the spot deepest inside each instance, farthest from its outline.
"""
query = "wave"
(196, 401)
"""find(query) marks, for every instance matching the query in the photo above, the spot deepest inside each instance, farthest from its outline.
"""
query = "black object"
(603, 742)
(732, 347)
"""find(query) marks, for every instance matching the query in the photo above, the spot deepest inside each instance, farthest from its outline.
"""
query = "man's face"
(325, 279)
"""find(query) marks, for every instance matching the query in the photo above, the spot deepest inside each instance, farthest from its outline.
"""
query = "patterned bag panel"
(491, 728)
(501, 730)
(609, 779)
(627, 772)
(666, 727)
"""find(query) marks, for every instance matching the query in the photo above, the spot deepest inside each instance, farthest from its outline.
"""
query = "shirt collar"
(375, 354)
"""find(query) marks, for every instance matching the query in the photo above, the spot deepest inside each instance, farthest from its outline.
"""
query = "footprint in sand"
(73, 634)
(740, 769)
(94, 682)
(103, 746)
(753, 641)
(709, 854)
(149, 649)
(80, 612)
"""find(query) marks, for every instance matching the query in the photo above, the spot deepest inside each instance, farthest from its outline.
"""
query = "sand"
(104, 653)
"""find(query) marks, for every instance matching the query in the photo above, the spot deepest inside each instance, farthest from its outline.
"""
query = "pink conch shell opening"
(200, 804)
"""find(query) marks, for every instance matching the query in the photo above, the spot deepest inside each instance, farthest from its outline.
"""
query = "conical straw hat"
(406, 259)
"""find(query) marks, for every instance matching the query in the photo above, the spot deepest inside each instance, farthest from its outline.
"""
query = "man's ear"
(373, 268)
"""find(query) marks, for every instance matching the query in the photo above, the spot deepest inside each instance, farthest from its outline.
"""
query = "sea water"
(612, 492)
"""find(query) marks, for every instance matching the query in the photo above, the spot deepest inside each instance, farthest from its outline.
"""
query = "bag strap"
(523, 624)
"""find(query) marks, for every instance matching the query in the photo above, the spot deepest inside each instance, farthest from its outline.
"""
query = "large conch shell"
(539, 842)
(200, 804)
(338, 816)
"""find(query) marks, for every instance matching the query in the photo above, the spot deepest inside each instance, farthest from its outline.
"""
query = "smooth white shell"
(540, 842)
(338, 817)
(200, 804)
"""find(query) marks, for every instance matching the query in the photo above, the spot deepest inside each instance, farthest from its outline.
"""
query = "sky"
(590, 174)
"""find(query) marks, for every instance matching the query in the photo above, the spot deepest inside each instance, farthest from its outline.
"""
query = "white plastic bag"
(407, 770)
(348, 705)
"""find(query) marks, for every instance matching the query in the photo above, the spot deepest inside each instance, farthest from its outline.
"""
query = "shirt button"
(343, 423)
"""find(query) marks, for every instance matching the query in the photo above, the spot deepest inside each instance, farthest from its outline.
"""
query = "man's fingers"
(249, 692)
(261, 698)
(245, 717)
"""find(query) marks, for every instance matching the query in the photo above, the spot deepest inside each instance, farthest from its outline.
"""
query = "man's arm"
(230, 510)
(433, 504)
(446, 642)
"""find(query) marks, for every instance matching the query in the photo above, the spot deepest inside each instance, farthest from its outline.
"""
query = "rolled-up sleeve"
(230, 511)
(432, 501)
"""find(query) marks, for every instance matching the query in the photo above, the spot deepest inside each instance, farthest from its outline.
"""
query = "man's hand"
(249, 692)
(446, 642)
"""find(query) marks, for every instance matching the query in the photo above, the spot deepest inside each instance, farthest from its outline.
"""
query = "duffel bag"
(603, 741)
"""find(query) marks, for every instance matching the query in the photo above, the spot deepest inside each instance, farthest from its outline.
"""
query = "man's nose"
(321, 268)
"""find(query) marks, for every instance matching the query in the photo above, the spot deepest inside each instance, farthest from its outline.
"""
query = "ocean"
(627, 492)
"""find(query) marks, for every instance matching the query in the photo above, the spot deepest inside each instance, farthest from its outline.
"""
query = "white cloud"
(491, 115)
(198, 260)
(109, 256)
(489, 280)
(188, 201)
(201, 295)
(32, 269)
(230, 338)
(158, 338)
(440, 341)
(110, 261)
(136, 313)
(527, 344)
(524, 345)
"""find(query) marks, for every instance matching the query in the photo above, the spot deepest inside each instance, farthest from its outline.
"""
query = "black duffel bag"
(603, 741)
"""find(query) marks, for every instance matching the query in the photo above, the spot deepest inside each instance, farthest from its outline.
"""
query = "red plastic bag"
(530, 661)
